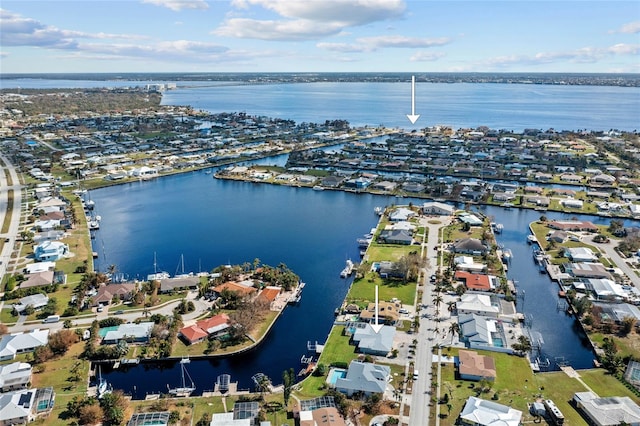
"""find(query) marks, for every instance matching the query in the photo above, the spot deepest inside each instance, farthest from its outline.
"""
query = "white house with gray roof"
(610, 411)
(480, 412)
(22, 407)
(18, 343)
(364, 377)
(15, 376)
(372, 343)
(37, 301)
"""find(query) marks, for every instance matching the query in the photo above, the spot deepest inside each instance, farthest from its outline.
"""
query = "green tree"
(289, 379)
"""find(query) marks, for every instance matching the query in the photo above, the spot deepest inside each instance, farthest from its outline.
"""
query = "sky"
(61, 36)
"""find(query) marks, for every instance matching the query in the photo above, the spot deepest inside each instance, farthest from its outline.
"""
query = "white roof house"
(466, 263)
(130, 332)
(473, 303)
(37, 301)
(372, 342)
(438, 208)
(50, 251)
(14, 376)
(580, 254)
(17, 343)
(608, 411)
(481, 412)
(401, 214)
(24, 406)
(601, 288)
(226, 419)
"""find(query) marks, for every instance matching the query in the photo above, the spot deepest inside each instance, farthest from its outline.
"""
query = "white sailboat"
(156, 276)
(103, 386)
(184, 390)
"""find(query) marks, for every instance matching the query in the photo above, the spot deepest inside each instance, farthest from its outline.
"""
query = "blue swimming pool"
(497, 342)
(335, 374)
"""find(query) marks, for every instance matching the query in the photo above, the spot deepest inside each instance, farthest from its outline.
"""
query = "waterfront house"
(480, 412)
(364, 377)
(249, 410)
(207, 328)
(107, 293)
(25, 406)
(601, 289)
(15, 376)
(572, 203)
(18, 343)
(245, 291)
(130, 332)
(475, 303)
(169, 285)
(586, 270)
(50, 251)
(401, 214)
(388, 269)
(617, 312)
(558, 236)
(384, 185)
(332, 181)
(479, 282)
(609, 411)
(471, 246)
(580, 254)
(388, 312)
(466, 263)
(368, 341)
(395, 236)
(470, 219)
(269, 294)
(37, 301)
(475, 367)
(437, 208)
(572, 225)
(45, 225)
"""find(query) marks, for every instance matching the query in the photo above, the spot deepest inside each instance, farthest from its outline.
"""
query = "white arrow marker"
(413, 117)
(376, 327)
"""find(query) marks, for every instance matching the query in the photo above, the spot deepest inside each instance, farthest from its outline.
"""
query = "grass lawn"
(379, 252)
(363, 290)
(627, 346)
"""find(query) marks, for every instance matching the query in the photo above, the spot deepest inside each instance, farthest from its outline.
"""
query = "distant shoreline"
(575, 79)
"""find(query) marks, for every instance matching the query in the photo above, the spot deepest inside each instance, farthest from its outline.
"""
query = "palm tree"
(437, 300)
(454, 329)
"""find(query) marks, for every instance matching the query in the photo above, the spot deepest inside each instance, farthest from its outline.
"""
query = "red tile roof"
(474, 281)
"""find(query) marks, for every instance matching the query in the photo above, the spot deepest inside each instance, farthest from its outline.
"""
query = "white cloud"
(630, 28)
(178, 5)
(276, 30)
(307, 20)
(370, 44)
(582, 55)
(426, 56)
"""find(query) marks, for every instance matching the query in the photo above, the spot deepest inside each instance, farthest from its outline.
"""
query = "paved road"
(420, 397)
(12, 233)
(611, 253)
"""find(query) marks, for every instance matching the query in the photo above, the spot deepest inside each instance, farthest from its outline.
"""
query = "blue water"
(499, 106)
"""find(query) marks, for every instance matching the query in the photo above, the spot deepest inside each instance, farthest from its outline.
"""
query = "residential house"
(609, 411)
(130, 332)
(572, 225)
(587, 270)
(269, 294)
(18, 343)
(34, 268)
(25, 406)
(471, 246)
(401, 214)
(558, 236)
(388, 312)
(395, 236)
(15, 376)
(580, 254)
(475, 367)
(206, 328)
(466, 263)
(572, 203)
(601, 289)
(168, 285)
(470, 219)
(106, 293)
(50, 251)
(437, 208)
(480, 412)
(36, 301)
(227, 419)
(38, 279)
(325, 416)
(364, 377)
(475, 303)
(479, 282)
(374, 342)
(245, 291)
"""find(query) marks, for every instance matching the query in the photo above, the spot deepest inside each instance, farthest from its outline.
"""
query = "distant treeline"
(592, 79)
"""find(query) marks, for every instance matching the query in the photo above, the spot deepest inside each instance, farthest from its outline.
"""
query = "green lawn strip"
(363, 291)
(8, 212)
(627, 346)
(604, 384)
(381, 252)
